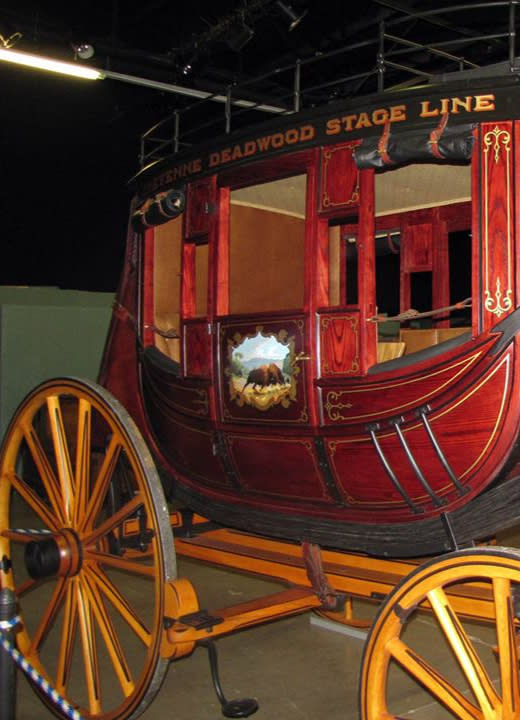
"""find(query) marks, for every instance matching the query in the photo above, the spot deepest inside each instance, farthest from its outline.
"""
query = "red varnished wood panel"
(148, 274)
(417, 247)
(339, 344)
(222, 253)
(467, 429)
(367, 270)
(379, 400)
(264, 170)
(189, 397)
(281, 467)
(186, 443)
(200, 206)
(190, 449)
(517, 204)
(497, 221)
(441, 268)
(188, 280)
(197, 349)
(339, 187)
(119, 371)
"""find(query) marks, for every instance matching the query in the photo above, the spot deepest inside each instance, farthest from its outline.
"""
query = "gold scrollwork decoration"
(327, 201)
(334, 406)
(499, 301)
(498, 305)
(498, 139)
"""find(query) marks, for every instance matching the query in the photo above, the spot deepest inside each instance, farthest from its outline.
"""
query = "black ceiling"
(160, 39)
(67, 148)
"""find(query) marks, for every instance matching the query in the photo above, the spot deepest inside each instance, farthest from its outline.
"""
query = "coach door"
(264, 337)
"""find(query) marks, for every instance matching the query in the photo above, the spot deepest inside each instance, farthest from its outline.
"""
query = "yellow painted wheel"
(427, 654)
(86, 544)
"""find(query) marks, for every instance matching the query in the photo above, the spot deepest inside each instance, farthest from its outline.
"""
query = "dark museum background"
(68, 147)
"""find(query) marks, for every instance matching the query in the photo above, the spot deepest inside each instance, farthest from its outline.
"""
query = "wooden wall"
(266, 260)
(167, 284)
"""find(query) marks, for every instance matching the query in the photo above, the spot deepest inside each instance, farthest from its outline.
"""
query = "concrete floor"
(296, 669)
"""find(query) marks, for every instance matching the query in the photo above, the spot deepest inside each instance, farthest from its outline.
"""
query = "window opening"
(426, 249)
(421, 294)
(167, 251)
(388, 246)
(459, 248)
(266, 247)
(351, 258)
(343, 262)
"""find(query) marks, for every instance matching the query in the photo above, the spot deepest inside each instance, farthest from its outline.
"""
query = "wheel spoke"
(34, 502)
(68, 637)
(115, 651)
(468, 659)
(507, 648)
(49, 615)
(100, 489)
(82, 466)
(19, 535)
(75, 473)
(134, 568)
(88, 641)
(433, 681)
(26, 586)
(61, 451)
(109, 590)
(115, 520)
(45, 472)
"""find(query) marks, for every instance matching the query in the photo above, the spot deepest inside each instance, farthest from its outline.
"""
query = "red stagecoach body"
(251, 341)
(317, 332)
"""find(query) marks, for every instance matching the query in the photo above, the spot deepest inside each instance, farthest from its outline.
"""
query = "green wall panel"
(45, 333)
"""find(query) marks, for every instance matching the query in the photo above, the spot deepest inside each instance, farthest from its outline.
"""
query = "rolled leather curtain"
(159, 209)
(454, 144)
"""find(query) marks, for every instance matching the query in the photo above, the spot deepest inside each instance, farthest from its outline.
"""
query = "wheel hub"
(57, 555)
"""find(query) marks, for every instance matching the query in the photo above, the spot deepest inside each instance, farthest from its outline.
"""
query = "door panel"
(263, 373)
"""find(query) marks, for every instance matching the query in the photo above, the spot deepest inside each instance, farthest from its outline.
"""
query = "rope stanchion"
(8, 620)
(17, 657)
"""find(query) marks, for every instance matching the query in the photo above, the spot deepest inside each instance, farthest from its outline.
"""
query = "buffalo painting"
(265, 375)
(261, 373)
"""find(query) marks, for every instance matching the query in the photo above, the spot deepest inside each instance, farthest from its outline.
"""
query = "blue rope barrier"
(33, 674)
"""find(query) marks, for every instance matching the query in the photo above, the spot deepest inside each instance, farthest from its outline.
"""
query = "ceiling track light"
(187, 68)
(238, 34)
(291, 14)
(83, 51)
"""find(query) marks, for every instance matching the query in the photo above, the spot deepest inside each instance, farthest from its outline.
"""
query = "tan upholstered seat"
(389, 351)
(424, 338)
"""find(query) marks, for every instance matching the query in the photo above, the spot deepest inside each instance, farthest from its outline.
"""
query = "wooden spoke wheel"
(428, 656)
(86, 544)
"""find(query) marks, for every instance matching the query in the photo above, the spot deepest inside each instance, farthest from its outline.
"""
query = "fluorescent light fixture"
(43, 63)
(90, 73)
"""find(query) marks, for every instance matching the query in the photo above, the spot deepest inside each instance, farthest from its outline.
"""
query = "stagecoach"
(312, 371)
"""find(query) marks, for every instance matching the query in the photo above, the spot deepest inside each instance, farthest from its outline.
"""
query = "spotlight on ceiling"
(186, 69)
(83, 51)
(291, 14)
(238, 34)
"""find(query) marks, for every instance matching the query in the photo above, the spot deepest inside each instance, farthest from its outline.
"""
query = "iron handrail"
(154, 148)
